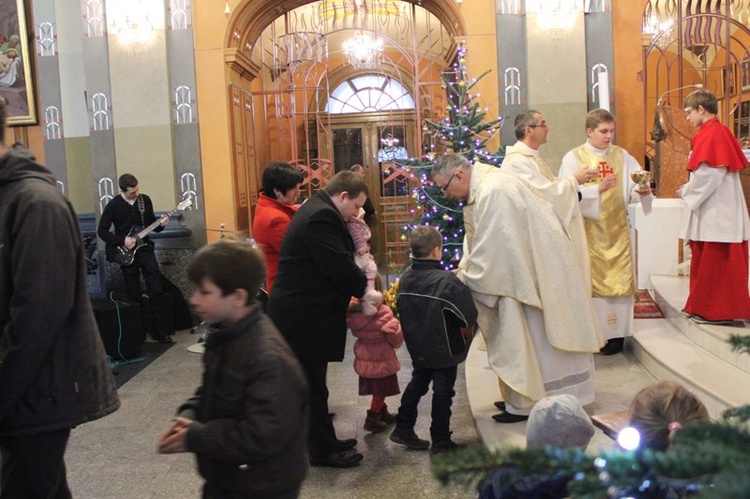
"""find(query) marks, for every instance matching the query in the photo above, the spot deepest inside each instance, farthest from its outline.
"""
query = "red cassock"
(718, 270)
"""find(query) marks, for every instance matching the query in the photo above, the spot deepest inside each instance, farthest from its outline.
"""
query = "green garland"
(707, 459)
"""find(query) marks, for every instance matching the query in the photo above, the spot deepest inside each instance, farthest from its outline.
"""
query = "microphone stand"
(661, 97)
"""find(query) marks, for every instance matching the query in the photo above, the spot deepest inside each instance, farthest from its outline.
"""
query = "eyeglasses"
(445, 187)
(543, 124)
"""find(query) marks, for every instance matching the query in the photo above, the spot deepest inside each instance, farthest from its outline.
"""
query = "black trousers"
(443, 381)
(322, 440)
(145, 262)
(33, 466)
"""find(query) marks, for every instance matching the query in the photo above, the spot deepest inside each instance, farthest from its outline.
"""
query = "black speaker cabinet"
(166, 318)
(120, 327)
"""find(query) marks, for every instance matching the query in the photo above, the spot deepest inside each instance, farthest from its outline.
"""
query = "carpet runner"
(645, 308)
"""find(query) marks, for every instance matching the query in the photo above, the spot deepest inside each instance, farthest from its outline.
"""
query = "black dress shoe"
(613, 346)
(506, 417)
(500, 405)
(346, 444)
(163, 339)
(337, 459)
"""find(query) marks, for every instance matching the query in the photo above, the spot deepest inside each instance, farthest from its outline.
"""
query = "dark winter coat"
(54, 373)
(251, 412)
(317, 277)
(433, 307)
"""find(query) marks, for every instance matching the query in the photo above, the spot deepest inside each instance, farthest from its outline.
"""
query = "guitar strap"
(142, 209)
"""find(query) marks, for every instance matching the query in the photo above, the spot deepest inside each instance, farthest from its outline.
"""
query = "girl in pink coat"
(378, 337)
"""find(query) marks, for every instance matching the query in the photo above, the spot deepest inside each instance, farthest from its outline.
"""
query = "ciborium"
(643, 179)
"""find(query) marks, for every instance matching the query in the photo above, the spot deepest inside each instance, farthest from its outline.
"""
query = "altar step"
(695, 355)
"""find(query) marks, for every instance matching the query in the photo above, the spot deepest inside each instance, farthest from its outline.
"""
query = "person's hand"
(174, 439)
(129, 242)
(585, 175)
(609, 182)
(644, 189)
(164, 220)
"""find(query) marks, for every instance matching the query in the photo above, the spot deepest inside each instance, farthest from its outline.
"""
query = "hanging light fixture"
(557, 16)
(363, 51)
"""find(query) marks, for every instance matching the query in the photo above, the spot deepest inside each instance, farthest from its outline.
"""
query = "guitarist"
(132, 210)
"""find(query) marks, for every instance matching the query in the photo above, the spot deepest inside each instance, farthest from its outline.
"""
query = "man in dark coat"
(54, 373)
(317, 277)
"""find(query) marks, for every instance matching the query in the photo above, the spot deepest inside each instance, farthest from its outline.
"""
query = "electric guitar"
(125, 256)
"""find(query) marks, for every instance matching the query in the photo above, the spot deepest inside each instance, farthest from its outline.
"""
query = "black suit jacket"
(316, 279)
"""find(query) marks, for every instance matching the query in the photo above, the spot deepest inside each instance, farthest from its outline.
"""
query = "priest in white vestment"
(608, 231)
(529, 286)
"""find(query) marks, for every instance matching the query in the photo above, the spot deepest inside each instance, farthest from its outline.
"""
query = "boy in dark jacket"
(437, 316)
(247, 423)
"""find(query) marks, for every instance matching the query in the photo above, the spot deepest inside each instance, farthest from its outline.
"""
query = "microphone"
(661, 97)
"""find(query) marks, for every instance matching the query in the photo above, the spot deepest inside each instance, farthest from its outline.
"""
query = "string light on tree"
(465, 131)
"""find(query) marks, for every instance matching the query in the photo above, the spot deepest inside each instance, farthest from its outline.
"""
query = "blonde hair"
(660, 405)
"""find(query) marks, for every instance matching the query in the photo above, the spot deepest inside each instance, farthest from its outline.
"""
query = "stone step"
(670, 355)
(670, 293)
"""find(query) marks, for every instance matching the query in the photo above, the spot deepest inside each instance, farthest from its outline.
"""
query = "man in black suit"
(316, 279)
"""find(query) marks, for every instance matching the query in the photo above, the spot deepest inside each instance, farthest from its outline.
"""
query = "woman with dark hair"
(280, 189)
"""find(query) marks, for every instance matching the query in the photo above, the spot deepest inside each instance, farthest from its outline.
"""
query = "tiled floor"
(115, 457)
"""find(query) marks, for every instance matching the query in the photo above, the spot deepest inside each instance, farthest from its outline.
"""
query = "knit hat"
(559, 421)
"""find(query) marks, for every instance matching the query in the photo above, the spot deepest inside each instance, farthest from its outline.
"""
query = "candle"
(603, 79)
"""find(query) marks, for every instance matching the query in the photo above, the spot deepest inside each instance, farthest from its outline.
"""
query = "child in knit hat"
(559, 421)
(556, 421)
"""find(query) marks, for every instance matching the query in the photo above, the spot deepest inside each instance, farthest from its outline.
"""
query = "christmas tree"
(705, 459)
(464, 131)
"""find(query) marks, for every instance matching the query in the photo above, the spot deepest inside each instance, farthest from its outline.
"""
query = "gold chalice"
(643, 179)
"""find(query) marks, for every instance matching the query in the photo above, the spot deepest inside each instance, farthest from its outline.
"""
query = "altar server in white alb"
(715, 221)
(608, 232)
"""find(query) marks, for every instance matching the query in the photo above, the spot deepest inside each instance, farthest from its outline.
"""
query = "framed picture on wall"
(16, 80)
(745, 74)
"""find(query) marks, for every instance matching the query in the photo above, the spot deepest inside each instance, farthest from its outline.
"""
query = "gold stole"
(608, 239)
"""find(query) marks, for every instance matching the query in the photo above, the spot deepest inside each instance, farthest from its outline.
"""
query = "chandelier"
(557, 16)
(363, 51)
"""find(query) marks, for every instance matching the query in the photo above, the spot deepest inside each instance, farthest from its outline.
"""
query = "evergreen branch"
(740, 343)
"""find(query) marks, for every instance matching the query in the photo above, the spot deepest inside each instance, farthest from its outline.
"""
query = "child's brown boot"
(373, 422)
(386, 416)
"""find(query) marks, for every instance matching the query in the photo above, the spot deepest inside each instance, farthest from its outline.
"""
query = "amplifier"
(120, 327)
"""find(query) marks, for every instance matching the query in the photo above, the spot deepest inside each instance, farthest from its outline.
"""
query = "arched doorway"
(284, 63)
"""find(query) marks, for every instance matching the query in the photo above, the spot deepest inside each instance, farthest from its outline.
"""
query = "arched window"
(369, 93)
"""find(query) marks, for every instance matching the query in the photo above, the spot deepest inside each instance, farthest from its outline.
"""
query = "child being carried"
(361, 234)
